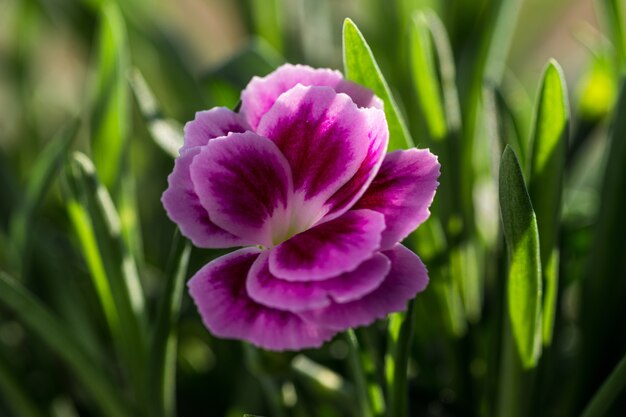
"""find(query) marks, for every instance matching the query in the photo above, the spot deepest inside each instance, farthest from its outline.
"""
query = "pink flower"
(301, 178)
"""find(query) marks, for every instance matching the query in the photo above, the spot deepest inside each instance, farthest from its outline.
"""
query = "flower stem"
(608, 392)
(360, 382)
(399, 343)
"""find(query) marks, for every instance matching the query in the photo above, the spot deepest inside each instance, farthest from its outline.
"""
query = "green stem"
(360, 382)
(399, 343)
(608, 392)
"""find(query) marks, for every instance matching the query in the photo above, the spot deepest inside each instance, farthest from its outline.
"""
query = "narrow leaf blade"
(425, 77)
(110, 121)
(360, 66)
(547, 164)
(522, 239)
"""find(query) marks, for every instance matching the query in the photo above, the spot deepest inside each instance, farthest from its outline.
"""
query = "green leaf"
(166, 133)
(110, 119)
(164, 340)
(40, 179)
(425, 77)
(112, 267)
(614, 15)
(522, 240)
(399, 338)
(62, 341)
(547, 164)
(361, 67)
(438, 99)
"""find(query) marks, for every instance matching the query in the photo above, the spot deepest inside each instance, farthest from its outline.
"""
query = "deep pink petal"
(325, 138)
(402, 190)
(266, 289)
(183, 207)
(244, 182)
(351, 191)
(330, 248)
(210, 124)
(219, 291)
(407, 277)
(261, 93)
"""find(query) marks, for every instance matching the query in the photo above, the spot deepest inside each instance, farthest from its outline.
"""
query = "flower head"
(300, 177)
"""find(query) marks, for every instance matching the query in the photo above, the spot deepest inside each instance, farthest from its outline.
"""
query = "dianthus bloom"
(301, 179)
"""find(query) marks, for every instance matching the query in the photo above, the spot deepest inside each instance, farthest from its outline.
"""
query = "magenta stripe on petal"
(323, 135)
(261, 93)
(407, 277)
(266, 289)
(244, 182)
(330, 248)
(402, 190)
(219, 291)
(210, 124)
(183, 207)
(351, 191)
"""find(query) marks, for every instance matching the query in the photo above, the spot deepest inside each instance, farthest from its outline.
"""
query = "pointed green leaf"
(62, 341)
(361, 67)
(39, 181)
(164, 340)
(435, 85)
(425, 77)
(110, 115)
(166, 133)
(113, 270)
(522, 240)
(547, 164)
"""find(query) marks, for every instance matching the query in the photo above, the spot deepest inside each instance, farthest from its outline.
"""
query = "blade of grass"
(547, 164)
(425, 77)
(360, 66)
(522, 240)
(40, 179)
(399, 337)
(614, 14)
(166, 133)
(109, 120)
(112, 267)
(61, 341)
(360, 383)
(164, 339)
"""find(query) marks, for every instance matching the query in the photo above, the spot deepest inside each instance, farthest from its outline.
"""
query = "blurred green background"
(79, 75)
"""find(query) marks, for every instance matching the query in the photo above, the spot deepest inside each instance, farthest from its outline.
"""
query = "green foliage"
(96, 300)
(524, 287)
(361, 67)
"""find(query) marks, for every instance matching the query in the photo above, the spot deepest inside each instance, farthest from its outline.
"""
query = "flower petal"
(219, 291)
(183, 207)
(325, 138)
(402, 190)
(261, 93)
(268, 290)
(244, 182)
(351, 191)
(407, 277)
(214, 123)
(328, 249)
